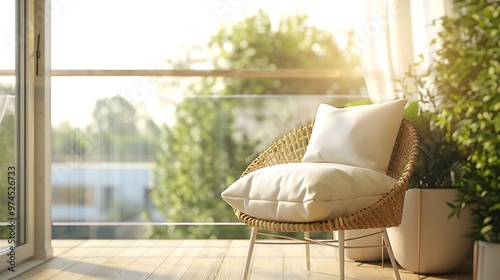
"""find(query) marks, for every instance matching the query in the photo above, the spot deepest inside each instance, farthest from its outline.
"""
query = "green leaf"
(486, 229)
(487, 220)
(495, 207)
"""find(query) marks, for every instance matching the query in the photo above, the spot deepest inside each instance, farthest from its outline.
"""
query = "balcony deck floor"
(202, 259)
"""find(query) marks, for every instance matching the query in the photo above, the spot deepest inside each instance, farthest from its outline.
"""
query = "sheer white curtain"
(390, 35)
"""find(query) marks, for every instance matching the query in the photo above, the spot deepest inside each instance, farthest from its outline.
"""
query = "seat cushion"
(307, 192)
(362, 136)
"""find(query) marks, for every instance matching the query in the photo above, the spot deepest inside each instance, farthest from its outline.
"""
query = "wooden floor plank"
(85, 266)
(234, 261)
(60, 262)
(203, 259)
(294, 262)
(324, 262)
(208, 261)
(113, 267)
(144, 267)
(178, 261)
(267, 262)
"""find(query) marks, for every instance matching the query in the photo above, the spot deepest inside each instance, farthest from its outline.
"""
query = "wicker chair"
(386, 212)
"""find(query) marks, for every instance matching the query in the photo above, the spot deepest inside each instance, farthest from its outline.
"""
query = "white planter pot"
(487, 256)
(427, 242)
(364, 254)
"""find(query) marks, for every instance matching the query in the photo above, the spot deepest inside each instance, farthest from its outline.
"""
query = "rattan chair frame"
(386, 212)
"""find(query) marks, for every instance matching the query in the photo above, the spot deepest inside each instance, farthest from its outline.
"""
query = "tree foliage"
(255, 43)
(115, 115)
(199, 159)
(113, 135)
(203, 151)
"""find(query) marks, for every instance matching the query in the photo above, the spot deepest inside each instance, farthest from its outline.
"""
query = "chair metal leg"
(341, 234)
(391, 253)
(253, 236)
(308, 253)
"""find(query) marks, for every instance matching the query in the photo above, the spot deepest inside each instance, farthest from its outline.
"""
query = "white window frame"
(33, 20)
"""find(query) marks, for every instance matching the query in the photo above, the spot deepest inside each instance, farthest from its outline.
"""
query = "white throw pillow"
(361, 135)
(307, 192)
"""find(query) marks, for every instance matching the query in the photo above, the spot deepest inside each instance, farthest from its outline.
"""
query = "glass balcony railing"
(154, 166)
(153, 117)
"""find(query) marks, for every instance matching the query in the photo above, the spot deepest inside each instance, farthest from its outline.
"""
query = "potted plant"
(464, 78)
(428, 241)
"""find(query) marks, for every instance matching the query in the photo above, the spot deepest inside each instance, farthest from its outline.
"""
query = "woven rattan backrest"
(292, 146)
(405, 150)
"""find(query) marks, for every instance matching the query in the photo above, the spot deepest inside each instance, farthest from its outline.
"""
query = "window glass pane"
(10, 224)
(7, 35)
(143, 150)
(152, 34)
(8, 167)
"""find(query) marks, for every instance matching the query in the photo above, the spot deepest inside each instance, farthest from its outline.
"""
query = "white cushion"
(361, 135)
(307, 192)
